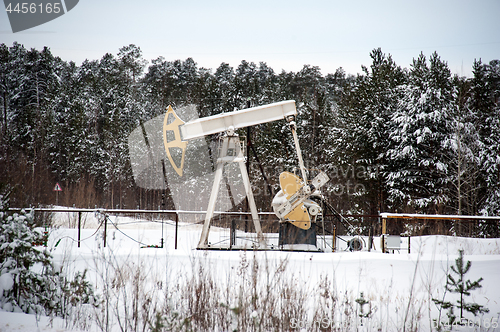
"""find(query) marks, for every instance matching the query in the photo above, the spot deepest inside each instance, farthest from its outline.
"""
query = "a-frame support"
(231, 151)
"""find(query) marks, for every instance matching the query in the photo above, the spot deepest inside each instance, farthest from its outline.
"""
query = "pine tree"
(485, 91)
(246, 84)
(314, 116)
(29, 281)
(30, 85)
(29, 291)
(462, 154)
(68, 134)
(225, 78)
(458, 284)
(364, 126)
(419, 173)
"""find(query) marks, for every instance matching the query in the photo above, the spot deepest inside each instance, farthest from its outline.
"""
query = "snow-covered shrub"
(25, 272)
(28, 281)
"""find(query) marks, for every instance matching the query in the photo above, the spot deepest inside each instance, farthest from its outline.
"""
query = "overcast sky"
(284, 34)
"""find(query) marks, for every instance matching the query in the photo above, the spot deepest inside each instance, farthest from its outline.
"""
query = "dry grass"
(255, 295)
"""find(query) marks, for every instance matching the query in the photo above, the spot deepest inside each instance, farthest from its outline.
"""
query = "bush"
(28, 281)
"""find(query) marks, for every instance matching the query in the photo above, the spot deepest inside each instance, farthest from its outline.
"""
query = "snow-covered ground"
(398, 286)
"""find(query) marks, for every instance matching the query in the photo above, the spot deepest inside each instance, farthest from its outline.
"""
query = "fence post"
(105, 228)
(79, 226)
(176, 228)
(382, 236)
(232, 232)
(334, 237)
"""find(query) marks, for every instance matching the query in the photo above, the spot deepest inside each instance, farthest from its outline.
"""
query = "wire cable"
(69, 237)
(119, 230)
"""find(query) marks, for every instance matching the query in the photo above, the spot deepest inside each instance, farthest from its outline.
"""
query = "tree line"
(416, 139)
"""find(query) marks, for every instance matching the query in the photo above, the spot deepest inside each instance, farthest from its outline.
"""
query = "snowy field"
(328, 291)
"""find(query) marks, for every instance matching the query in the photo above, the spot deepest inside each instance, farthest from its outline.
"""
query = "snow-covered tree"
(30, 84)
(417, 136)
(68, 135)
(419, 176)
(364, 125)
(485, 91)
(28, 278)
(29, 282)
(463, 146)
(315, 115)
(225, 77)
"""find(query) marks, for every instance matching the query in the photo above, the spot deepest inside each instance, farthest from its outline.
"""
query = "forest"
(391, 139)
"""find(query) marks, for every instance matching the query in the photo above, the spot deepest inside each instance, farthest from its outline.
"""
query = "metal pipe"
(136, 211)
(299, 153)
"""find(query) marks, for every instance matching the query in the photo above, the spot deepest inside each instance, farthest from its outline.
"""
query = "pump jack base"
(294, 248)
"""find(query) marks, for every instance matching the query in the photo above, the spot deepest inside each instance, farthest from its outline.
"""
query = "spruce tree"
(421, 126)
(464, 287)
(23, 288)
(362, 138)
(485, 91)
(458, 284)
(29, 282)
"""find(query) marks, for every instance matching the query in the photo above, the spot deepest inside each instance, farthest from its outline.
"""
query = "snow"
(387, 280)
(13, 321)
(6, 282)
